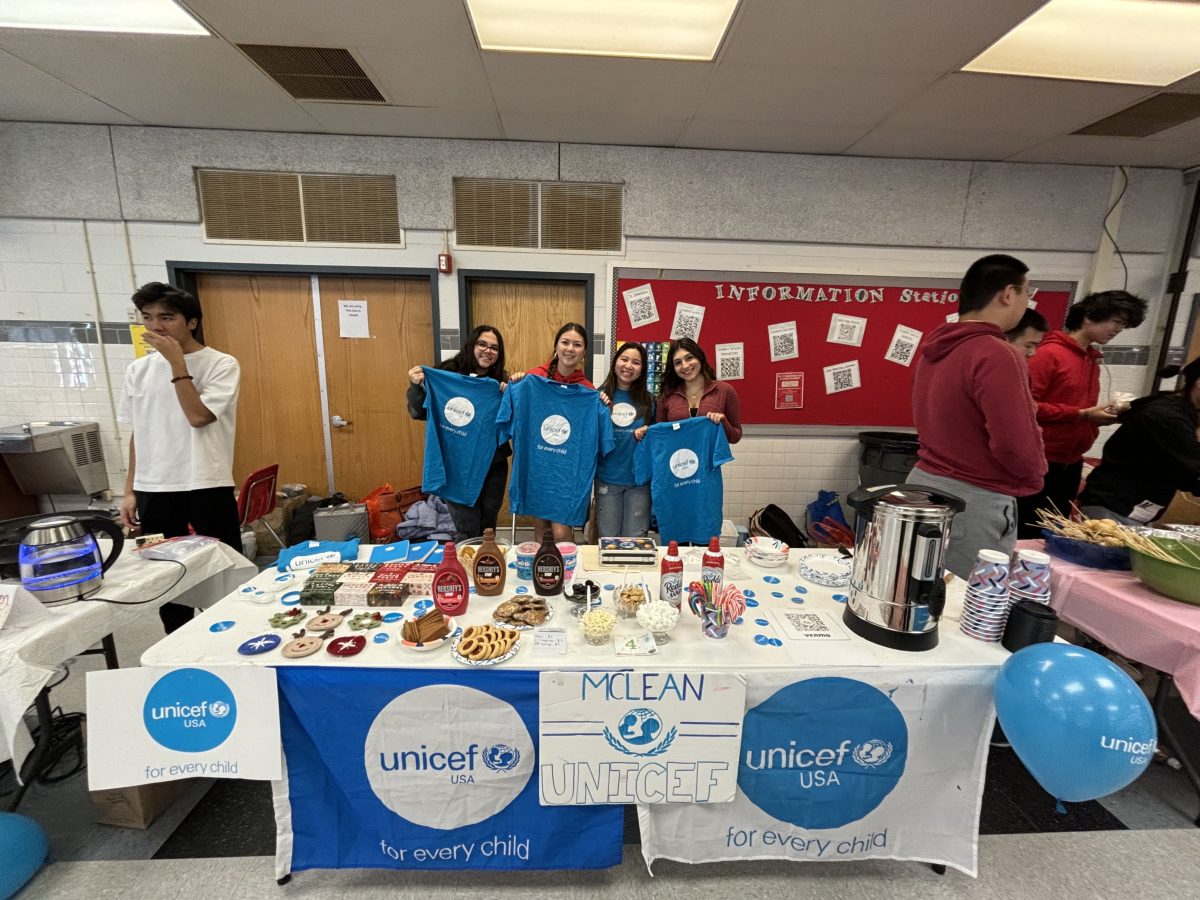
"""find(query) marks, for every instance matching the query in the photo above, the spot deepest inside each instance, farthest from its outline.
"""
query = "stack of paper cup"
(1029, 578)
(985, 606)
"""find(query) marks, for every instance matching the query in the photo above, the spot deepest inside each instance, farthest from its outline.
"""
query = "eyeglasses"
(485, 347)
(1030, 293)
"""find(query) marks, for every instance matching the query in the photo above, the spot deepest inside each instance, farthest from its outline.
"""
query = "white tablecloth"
(197, 644)
(30, 656)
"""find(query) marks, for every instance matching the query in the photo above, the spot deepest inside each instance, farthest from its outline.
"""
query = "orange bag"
(383, 513)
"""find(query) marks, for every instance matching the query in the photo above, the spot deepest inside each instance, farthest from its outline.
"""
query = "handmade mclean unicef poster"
(639, 737)
(845, 765)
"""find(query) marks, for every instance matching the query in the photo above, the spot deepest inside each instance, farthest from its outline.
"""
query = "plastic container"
(887, 457)
(525, 555)
(1174, 580)
(1082, 553)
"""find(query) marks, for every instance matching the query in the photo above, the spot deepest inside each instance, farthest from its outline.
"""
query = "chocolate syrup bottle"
(547, 567)
(490, 569)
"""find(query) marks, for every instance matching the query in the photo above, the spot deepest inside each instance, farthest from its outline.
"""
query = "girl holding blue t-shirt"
(483, 356)
(623, 505)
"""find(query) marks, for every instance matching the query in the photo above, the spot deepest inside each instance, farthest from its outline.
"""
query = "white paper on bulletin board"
(352, 319)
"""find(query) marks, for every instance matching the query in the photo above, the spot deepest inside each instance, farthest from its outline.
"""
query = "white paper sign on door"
(148, 725)
(639, 737)
(352, 319)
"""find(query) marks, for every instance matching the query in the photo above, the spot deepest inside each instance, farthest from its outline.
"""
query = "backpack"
(771, 521)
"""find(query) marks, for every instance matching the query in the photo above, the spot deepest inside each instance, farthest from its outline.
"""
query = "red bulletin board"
(744, 310)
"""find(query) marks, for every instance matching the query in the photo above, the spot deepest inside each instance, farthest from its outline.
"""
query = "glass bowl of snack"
(629, 597)
(658, 617)
(597, 624)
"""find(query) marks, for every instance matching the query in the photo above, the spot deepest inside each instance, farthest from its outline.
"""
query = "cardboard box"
(1184, 509)
(138, 807)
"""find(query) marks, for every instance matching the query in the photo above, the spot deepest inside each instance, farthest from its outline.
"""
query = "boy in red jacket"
(1064, 376)
(974, 414)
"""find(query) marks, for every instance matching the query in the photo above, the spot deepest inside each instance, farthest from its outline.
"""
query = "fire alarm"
(445, 263)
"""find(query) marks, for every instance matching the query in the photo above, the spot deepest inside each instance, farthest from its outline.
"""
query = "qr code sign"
(843, 379)
(902, 351)
(687, 325)
(730, 369)
(641, 309)
(846, 331)
(783, 345)
(809, 624)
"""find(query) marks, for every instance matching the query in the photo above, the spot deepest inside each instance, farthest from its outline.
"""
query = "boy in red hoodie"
(1064, 376)
(974, 413)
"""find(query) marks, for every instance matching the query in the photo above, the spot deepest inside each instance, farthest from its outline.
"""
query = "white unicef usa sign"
(639, 737)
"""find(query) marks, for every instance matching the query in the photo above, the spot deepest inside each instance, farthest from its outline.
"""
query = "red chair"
(257, 498)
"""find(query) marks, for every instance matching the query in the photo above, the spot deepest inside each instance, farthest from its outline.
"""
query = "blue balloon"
(23, 849)
(1081, 726)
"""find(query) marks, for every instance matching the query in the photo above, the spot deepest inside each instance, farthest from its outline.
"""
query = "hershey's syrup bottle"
(489, 570)
(547, 567)
(450, 588)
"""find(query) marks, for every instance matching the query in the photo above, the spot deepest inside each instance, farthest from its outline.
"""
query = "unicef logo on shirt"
(684, 463)
(459, 411)
(849, 755)
(189, 710)
(555, 430)
(623, 415)
(416, 756)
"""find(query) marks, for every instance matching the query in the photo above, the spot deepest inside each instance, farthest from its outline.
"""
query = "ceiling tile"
(586, 129)
(843, 97)
(27, 94)
(966, 101)
(404, 121)
(590, 85)
(164, 80)
(778, 137)
(930, 143)
(913, 36)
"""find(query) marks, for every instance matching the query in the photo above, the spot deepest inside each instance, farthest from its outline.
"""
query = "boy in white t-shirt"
(182, 404)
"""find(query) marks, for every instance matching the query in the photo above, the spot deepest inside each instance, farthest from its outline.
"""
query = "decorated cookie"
(264, 643)
(325, 620)
(346, 646)
(366, 621)
(303, 644)
(289, 619)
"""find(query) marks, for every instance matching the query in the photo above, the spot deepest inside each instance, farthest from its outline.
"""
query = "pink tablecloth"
(1121, 612)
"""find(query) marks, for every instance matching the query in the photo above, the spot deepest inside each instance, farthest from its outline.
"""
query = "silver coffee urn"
(897, 590)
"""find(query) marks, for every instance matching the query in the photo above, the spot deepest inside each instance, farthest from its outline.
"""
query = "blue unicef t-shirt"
(617, 467)
(460, 434)
(683, 462)
(558, 431)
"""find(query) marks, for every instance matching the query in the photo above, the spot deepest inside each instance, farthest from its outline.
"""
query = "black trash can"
(887, 457)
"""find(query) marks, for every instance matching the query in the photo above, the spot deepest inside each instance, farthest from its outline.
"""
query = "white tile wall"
(44, 274)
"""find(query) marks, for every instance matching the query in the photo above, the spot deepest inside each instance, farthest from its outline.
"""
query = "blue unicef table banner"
(639, 737)
(852, 764)
(423, 769)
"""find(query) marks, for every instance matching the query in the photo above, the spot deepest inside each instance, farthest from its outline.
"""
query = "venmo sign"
(445, 756)
(823, 752)
(190, 710)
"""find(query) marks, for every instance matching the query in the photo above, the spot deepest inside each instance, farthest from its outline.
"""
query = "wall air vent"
(1149, 117)
(315, 73)
(286, 207)
(547, 215)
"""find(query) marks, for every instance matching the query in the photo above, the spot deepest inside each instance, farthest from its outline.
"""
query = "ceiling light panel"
(1148, 42)
(653, 29)
(128, 16)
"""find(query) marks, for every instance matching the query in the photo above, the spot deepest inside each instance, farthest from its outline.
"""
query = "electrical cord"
(152, 599)
(66, 735)
(1121, 256)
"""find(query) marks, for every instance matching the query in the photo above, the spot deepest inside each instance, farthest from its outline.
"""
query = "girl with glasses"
(482, 356)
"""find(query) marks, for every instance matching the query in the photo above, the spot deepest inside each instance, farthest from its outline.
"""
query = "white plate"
(763, 563)
(455, 631)
(825, 570)
(514, 627)
(482, 662)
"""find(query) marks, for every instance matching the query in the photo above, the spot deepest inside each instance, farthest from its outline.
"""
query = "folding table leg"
(1161, 694)
(33, 762)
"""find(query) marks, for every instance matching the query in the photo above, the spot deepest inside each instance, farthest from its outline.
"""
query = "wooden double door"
(301, 380)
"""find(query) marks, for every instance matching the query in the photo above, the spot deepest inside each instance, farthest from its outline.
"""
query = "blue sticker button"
(393, 616)
(840, 598)
(750, 601)
(800, 589)
(217, 627)
(770, 579)
(382, 637)
(522, 590)
(778, 595)
(762, 622)
(797, 599)
(748, 593)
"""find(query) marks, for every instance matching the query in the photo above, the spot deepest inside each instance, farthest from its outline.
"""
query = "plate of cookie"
(522, 612)
(429, 631)
(485, 645)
